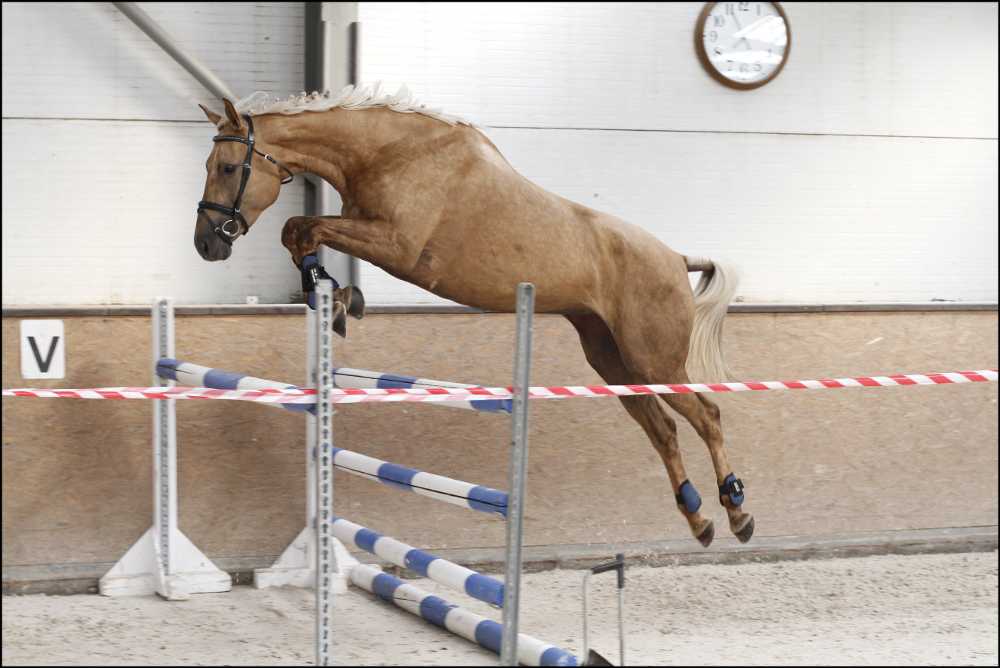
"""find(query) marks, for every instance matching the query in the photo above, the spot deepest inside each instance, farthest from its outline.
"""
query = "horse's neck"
(338, 144)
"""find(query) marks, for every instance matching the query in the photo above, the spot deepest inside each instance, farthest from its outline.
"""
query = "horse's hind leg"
(603, 355)
(661, 359)
(704, 416)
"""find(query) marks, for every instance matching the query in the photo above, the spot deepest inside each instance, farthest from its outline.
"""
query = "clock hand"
(740, 29)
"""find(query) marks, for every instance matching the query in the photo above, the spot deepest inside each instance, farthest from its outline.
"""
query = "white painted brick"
(104, 213)
(88, 60)
(806, 219)
(809, 217)
(927, 69)
(105, 210)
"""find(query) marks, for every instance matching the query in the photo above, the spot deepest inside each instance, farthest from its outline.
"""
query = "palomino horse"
(429, 199)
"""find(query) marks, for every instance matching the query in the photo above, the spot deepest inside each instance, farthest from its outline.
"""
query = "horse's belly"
(495, 293)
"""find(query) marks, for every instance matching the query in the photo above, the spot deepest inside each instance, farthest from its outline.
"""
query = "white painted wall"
(866, 172)
(104, 151)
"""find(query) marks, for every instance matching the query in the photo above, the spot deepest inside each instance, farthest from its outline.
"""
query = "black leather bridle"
(235, 225)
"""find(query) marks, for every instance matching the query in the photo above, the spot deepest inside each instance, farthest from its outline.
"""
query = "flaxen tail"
(715, 289)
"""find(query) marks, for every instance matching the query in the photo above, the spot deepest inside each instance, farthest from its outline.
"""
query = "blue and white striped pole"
(449, 490)
(442, 488)
(366, 379)
(476, 628)
(195, 375)
(478, 586)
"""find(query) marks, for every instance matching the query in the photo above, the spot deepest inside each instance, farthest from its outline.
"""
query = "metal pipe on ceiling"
(332, 36)
(195, 67)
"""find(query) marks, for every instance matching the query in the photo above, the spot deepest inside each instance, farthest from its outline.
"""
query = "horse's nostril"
(204, 248)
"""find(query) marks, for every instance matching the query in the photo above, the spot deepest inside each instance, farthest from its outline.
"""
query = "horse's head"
(242, 181)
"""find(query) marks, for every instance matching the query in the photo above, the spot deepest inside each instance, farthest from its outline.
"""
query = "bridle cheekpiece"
(235, 225)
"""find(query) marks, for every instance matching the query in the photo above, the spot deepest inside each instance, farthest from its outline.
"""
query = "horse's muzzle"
(210, 247)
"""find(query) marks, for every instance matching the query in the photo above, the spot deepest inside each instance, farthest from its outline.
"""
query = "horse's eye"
(229, 169)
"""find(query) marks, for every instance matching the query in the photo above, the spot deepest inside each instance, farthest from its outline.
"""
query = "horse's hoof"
(746, 532)
(339, 319)
(707, 534)
(355, 302)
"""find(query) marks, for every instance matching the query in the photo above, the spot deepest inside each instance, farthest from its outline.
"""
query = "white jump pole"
(164, 560)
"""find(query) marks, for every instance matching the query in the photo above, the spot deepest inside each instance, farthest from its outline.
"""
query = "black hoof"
(707, 534)
(746, 532)
(355, 302)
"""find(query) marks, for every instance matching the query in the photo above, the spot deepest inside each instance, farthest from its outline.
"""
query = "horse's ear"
(232, 114)
(213, 117)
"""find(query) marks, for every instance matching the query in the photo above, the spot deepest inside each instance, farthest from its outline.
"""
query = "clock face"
(743, 44)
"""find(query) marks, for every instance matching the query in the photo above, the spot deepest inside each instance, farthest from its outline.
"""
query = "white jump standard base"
(139, 572)
(164, 560)
(295, 566)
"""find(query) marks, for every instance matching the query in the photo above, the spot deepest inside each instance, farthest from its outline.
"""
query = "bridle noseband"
(235, 224)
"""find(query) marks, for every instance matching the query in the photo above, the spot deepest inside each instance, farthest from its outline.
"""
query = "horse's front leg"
(370, 240)
(375, 241)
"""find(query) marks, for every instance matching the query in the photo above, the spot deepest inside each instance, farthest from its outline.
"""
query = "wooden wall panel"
(76, 474)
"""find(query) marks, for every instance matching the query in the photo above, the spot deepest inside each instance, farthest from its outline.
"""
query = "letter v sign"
(43, 364)
(43, 349)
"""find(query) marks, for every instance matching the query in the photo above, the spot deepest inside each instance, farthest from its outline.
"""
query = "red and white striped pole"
(434, 394)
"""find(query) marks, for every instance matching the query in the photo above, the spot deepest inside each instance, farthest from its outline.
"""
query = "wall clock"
(743, 45)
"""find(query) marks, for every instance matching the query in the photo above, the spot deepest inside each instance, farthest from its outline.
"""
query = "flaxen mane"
(349, 97)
